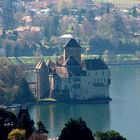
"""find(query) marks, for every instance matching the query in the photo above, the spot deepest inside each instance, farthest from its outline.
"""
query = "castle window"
(101, 80)
(57, 87)
(89, 74)
(76, 79)
(78, 85)
(69, 80)
(65, 87)
(96, 73)
(102, 72)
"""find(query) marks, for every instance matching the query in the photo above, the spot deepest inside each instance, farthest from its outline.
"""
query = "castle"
(73, 79)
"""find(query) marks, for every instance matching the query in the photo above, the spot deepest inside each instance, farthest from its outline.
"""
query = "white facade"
(76, 80)
(94, 85)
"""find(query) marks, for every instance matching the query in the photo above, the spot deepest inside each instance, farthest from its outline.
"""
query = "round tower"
(43, 85)
(72, 48)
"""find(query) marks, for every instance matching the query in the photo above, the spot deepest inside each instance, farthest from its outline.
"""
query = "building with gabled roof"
(71, 79)
(43, 85)
(72, 48)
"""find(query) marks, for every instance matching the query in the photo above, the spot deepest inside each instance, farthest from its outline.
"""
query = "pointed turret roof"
(51, 64)
(41, 65)
(72, 44)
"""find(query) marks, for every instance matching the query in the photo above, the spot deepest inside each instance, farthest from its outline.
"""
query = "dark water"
(122, 114)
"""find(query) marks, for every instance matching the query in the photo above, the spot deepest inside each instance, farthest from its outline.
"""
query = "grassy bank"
(121, 3)
(34, 60)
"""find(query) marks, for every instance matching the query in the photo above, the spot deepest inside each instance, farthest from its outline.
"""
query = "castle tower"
(72, 48)
(42, 86)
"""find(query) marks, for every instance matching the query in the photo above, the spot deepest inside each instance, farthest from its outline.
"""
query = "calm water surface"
(122, 114)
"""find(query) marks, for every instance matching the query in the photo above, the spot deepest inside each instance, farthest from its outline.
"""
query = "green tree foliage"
(24, 93)
(55, 25)
(65, 11)
(76, 130)
(7, 123)
(48, 29)
(134, 12)
(98, 45)
(109, 135)
(8, 21)
(81, 15)
(41, 128)
(11, 75)
(17, 134)
(108, 8)
(64, 6)
(119, 25)
(24, 122)
(90, 15)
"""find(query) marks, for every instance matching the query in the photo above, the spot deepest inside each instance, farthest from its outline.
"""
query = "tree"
(76, 130)
(107, 8)
(55, 25)
(7, 123)
(90, 15)
(65, 11)
(41, 128)
(109, 135)
(17, 134)
(8, 21)
(11, 74)
(24, 93)
(64, 6)
(134, 12)
(119, 25)
(48, 29)
(87, 29)
(99, 45)
(24, 122)
(81, 15)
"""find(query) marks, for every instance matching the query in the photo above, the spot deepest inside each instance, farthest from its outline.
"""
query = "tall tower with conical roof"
(72, 48)
(43, 85)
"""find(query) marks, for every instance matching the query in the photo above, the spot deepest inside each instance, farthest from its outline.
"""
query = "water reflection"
(124, 108)
(54, 116)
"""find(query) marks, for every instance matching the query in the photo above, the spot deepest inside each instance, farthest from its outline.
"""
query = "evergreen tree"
(48, 30)
(24, 94)
(76, 130)
(55, 25)
(108, 8)
(24, 122)
(7, 123)
(134, 12)
(41, 127)
(81, 14)
(90, 15)
(8, 20)
(109, 135)
(119, 26)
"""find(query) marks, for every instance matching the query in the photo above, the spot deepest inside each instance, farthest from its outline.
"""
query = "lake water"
(122, 114)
